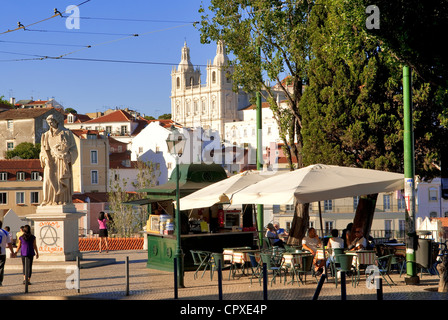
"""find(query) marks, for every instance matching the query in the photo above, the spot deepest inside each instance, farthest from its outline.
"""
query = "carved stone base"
(56, 231)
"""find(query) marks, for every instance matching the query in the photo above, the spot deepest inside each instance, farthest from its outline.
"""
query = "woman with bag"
(28, 249)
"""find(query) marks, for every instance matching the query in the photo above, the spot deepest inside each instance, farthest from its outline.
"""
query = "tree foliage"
(268, 39)
(129, 219)
(24, 150)
(353, 108)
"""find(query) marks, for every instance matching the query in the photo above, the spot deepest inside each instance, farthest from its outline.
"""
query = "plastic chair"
(200, 259)
(305, 266)
(255, 267)
(214, 264)
(267, 243)
(343, 263)
(273, 263)
(384, 265)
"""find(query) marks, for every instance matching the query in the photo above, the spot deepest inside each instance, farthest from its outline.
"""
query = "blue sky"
(89, 86)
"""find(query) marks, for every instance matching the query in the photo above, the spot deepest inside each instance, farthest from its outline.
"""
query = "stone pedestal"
(56, 231)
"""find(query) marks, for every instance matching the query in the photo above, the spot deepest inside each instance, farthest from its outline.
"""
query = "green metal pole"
(409, 175)
(179, 253)
(260, 217)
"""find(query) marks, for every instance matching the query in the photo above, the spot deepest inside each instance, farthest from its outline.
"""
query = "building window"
(401, 204)
(94, 157)
(386, 202)
(94, 177)
(169, 165)
(3, 198)
(328, 205)
(124, 130)
(9, 124)
(433, 196)
(35, 175)
(9, 146)
(34, 197)
(388, 228)
(70, 118)
(20, 176)
(3, 176)
(20, 197)
(108, 129)
(213, 77)
(328, 226)
(195, 106)
(433, 214)
(178, 83)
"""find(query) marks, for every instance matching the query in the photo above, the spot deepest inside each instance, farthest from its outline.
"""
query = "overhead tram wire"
(135, 20)
(56, 14)
(81, 32)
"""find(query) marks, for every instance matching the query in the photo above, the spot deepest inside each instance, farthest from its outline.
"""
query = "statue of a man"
(57, 155)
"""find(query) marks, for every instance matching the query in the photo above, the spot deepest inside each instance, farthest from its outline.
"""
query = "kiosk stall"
(207, 229)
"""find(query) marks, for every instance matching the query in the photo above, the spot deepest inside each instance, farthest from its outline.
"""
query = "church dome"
(221, 58)
(185, 63)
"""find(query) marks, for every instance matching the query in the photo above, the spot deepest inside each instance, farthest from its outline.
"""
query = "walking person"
(103, 219)
(5, 242)
(28, 249)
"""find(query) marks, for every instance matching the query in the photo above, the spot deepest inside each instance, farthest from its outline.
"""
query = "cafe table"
(362, 258)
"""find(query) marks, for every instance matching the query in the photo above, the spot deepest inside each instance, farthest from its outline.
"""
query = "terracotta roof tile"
(11, 167)
(116, 116)
(23, 113)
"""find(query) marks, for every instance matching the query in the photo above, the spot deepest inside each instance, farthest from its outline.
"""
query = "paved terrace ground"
(103, 278)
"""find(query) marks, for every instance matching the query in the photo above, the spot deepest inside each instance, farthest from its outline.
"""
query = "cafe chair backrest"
(345, 261)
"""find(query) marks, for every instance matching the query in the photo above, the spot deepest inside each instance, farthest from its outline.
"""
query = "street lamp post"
(176, 145)
(409, 175)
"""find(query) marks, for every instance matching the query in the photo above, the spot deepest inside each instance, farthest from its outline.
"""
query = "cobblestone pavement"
(105, 279)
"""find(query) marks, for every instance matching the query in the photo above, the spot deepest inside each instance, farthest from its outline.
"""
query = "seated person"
(280, 231)
(334, 242)
(272, 235)
(311, 243)
(359, 243)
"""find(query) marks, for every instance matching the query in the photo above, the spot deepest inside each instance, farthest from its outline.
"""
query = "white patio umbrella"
(222, 191)
(317, 183)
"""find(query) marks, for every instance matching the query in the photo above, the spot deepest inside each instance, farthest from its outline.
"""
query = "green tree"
(71, 110)
(412, 30)
(352, 109)
(166, 116)
(128, 219)
(269, 40)
(24, 150)
(3, 101)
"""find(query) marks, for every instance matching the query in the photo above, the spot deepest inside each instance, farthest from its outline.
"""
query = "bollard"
(127, 276)
(265, 282)
(379, 289)
(26, 273)
(175, 278)
(343, 286)
(319, 286)
(78, 278)
(219, 280)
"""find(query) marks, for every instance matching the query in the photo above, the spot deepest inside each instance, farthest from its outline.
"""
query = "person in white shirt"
(335, 241)
(359, 243)
(5, 242)
(311, 243)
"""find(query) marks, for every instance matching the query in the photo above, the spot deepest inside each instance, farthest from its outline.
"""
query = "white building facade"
(208, 106)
